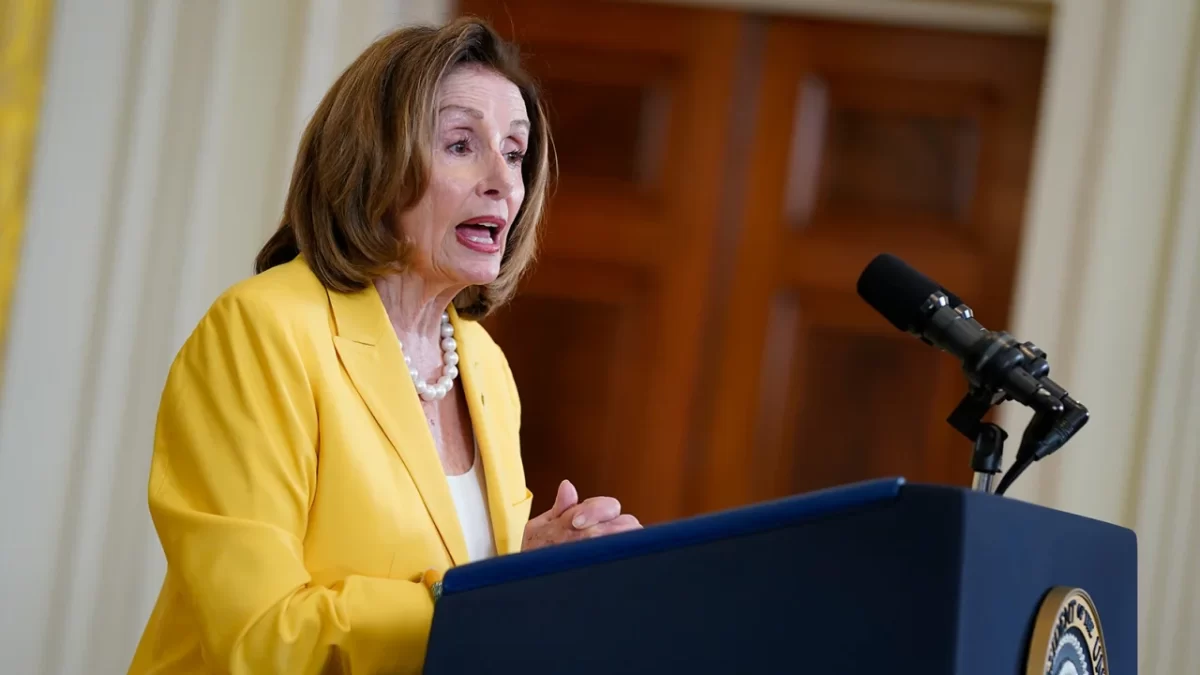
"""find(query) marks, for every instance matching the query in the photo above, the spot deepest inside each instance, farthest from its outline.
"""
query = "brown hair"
(365, 155)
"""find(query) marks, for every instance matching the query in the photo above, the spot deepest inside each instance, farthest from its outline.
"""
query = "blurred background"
(690, 339)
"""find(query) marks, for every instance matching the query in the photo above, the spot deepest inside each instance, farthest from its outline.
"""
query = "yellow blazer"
(296, 489)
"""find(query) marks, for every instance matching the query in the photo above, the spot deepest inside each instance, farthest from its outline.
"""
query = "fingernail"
(579, 521)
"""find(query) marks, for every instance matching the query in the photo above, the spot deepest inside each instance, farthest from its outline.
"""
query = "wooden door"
(602, 337)
(867, 139)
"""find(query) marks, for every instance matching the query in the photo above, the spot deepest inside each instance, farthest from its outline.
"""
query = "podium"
(875, 577)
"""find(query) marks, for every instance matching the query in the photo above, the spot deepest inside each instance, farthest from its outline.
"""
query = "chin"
(478, 275)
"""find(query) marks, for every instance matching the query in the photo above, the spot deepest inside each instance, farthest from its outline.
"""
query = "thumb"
(567, 497)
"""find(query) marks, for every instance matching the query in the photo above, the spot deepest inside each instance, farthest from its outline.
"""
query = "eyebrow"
(478, 114)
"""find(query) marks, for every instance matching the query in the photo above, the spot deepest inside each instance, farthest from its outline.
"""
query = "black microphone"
(997, 366)
(992, 360)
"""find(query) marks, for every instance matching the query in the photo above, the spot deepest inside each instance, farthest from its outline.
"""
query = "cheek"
(517, 198)
(453, 177)
(446, 194)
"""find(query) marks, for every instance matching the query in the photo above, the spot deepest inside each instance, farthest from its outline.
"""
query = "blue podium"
(876, 577)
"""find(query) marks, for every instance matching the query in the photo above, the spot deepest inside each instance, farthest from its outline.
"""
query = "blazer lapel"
(371, 354)
(491, 419)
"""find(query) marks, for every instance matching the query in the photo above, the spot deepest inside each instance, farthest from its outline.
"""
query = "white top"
(469, 491)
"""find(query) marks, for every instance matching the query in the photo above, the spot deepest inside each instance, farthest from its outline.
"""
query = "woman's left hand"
(572, 520)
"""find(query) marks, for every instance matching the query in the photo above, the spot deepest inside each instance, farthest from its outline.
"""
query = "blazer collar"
(367, 345)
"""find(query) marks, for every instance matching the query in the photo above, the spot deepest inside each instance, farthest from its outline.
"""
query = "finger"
(622, 523)
(567, 497)
(594, 511)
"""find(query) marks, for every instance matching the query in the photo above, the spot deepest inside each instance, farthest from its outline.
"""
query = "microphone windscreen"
(897, 291)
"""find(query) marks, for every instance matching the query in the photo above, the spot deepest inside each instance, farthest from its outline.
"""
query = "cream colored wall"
(168, 128)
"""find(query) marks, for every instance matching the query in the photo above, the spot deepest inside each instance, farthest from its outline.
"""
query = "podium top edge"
(690, 531)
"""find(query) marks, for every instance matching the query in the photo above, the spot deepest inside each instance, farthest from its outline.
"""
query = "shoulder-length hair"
(365, 155)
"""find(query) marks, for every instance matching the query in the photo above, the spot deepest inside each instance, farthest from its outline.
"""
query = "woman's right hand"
(572, 520)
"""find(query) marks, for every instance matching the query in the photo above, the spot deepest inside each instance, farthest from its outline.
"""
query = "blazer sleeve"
(232, 478)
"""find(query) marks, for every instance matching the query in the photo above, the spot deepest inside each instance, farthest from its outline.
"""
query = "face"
(459, 227)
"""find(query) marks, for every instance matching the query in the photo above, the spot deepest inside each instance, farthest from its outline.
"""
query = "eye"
(516, 157)
(460, 147)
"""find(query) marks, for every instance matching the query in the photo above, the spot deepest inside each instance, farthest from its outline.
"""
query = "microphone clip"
(998, 369)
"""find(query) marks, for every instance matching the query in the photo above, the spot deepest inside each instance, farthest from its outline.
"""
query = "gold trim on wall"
(24, 34)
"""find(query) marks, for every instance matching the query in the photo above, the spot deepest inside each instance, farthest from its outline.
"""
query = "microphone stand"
(988, 453)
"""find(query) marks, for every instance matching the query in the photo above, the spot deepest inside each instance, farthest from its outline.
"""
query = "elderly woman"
(339, 428)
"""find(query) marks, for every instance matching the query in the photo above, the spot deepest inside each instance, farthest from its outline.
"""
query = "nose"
(499, 179)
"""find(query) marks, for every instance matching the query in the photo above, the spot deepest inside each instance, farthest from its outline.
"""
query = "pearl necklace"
(439, 389)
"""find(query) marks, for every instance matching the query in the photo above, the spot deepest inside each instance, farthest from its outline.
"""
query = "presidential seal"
(1067, 637)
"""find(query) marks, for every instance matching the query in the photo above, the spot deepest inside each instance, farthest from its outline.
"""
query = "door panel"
(869, 139)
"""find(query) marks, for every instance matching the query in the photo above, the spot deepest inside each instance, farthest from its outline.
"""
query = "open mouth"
(483, 235)
(479, 233)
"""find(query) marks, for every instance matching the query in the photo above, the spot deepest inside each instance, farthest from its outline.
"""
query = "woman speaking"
(338, 428)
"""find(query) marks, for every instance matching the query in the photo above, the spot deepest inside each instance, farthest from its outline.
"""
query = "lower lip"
(476, 245)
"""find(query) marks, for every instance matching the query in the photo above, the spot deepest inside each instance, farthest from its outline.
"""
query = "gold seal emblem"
(1067, 637)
